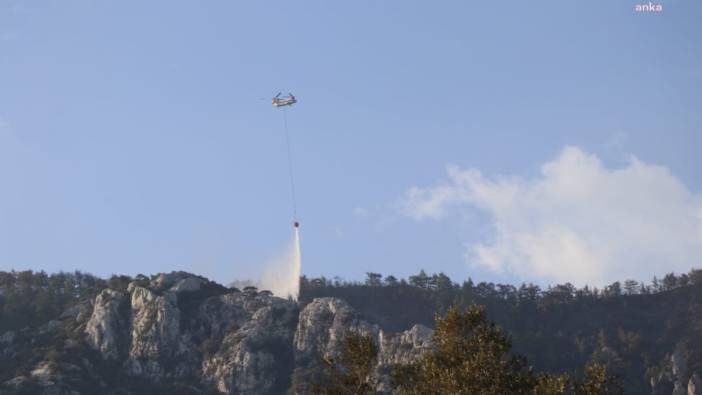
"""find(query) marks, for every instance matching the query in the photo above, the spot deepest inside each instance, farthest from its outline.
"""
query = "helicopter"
(288, 100)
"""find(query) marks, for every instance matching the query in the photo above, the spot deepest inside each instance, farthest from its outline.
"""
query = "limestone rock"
(105, 326)
(50, 380)
(43, 373)
(188, 284)
(251, 357)
(176, 282)
(155, 334)
(16, 383)
(180, 332)
(80, 312)
(325, 322)
(405, 347)
(694, 386)
(400, 349)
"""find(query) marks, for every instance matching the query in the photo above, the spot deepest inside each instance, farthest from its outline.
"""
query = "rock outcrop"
(254, 350)
(104, 329)
(402, 348)
(325, 322)
(155, 335)
(182, 333)
(323, 325)
(675, 379)
(694, 386)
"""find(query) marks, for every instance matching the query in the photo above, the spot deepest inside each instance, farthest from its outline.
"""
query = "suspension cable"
(290, 164)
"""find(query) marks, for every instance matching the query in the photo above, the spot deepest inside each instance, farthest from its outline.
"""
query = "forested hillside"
(635, 329)
(649, 335)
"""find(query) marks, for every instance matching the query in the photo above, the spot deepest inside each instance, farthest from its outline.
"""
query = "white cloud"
(578, 221)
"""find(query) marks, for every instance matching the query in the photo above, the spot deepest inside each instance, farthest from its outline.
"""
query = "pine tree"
(352, 372)
(470, 357)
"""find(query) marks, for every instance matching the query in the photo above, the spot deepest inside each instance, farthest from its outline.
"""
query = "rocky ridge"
(180, 333)
(675, 378)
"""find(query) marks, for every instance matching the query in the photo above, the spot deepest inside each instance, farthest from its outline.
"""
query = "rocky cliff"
(321, 327)
(179, 333)
(675, 378)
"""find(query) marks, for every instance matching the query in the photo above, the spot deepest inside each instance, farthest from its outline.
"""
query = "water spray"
(297, 263)
(282, 274)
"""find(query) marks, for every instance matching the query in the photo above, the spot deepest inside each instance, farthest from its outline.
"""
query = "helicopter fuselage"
(284, 102)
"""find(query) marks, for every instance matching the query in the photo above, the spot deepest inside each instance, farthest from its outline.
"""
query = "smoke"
(282, 274)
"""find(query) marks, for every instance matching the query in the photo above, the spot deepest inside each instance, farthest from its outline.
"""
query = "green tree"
(391, 281)
(599, 382)
(470, 357)
(548, 384)
(421, 280)
(670, 281)
(352, 372)
(631, 287)
(614, 289)
(440, 282)
(695, 276)
(373, 279)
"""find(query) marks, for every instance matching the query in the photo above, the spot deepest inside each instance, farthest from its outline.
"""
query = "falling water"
(282, 275)
(294, 282)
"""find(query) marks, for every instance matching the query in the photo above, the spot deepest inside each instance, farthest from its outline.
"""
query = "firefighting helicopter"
(288, 100)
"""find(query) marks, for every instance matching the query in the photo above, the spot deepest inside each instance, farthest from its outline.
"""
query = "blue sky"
(133, 137)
